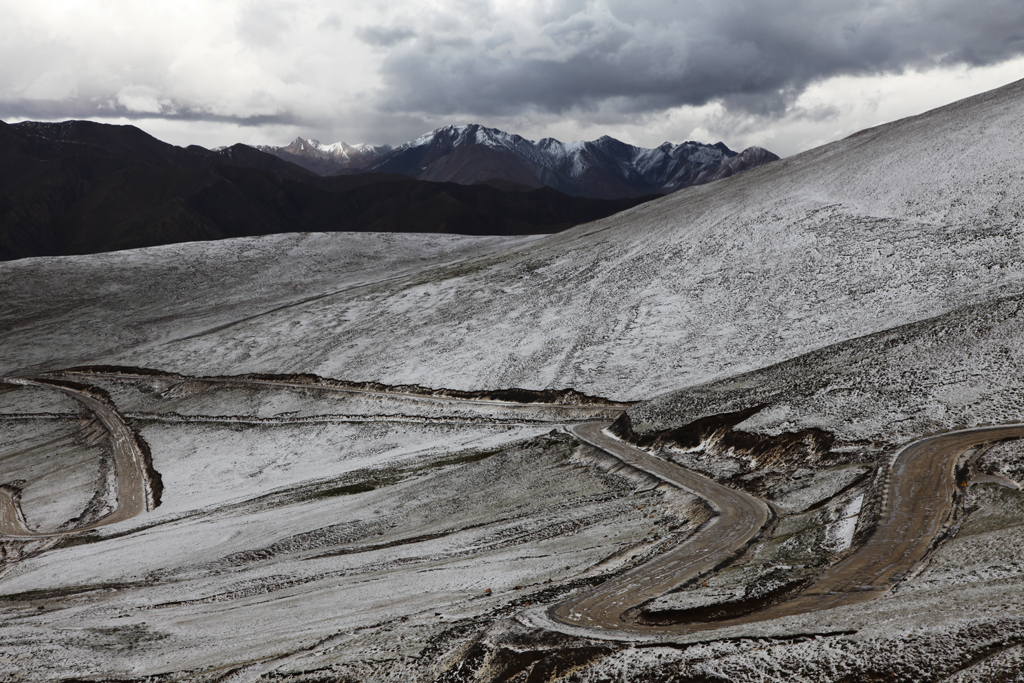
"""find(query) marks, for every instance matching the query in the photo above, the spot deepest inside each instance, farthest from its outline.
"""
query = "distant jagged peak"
(366, 147)
(468, 134)
(475, 133)
(754, 149)
(471, 133)
(470, 152)
(338, 151)
(459, 135)
(752, 156)
(302, 145)
(725, 149)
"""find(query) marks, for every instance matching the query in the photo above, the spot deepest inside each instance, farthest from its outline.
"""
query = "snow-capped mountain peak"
(472, 153)
(320, 158)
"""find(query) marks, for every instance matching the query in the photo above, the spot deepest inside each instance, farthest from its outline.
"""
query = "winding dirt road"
(740, 519)
(133, 490)
(918, 503)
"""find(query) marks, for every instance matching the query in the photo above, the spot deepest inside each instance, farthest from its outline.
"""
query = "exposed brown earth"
(556, 397)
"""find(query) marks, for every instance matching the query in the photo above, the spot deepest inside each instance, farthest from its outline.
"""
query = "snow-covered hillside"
(895, 224)
(53, 306)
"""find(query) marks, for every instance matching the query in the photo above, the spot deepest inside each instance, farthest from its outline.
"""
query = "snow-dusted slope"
(960, 369)
(57, 311)
(895, 224)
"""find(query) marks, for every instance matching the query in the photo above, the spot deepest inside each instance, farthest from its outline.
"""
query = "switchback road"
(133, 493)
(919, 500)
(740, 519)
(918, 503)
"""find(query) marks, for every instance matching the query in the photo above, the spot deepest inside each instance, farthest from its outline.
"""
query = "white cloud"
(141, 98)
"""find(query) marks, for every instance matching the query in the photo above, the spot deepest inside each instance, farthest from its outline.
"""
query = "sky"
(787, 75)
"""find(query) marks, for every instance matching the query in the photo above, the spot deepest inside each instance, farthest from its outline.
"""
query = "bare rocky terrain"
(353, 492)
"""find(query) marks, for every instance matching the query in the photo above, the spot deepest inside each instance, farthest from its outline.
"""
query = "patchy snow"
(312, 533)
(873, 393)
(54, 465)
(803, 488)
(840, 536)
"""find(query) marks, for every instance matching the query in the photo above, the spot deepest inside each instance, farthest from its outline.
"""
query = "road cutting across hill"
(134, 495)
(740, 519)
(570, 411)
(134, 491)
(919, 500)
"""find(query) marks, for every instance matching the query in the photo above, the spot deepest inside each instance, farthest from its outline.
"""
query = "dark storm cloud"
(646, 55)
(386, 71)
(80, 108)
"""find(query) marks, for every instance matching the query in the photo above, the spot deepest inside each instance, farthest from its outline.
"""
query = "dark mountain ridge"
(80, 187)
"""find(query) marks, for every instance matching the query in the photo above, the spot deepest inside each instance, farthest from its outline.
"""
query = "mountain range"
(79, 187)
(327, 159)
(605, 168)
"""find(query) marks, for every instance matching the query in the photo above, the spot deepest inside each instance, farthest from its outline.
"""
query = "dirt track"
(740, 518)
(919, 502)
(133, 495)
